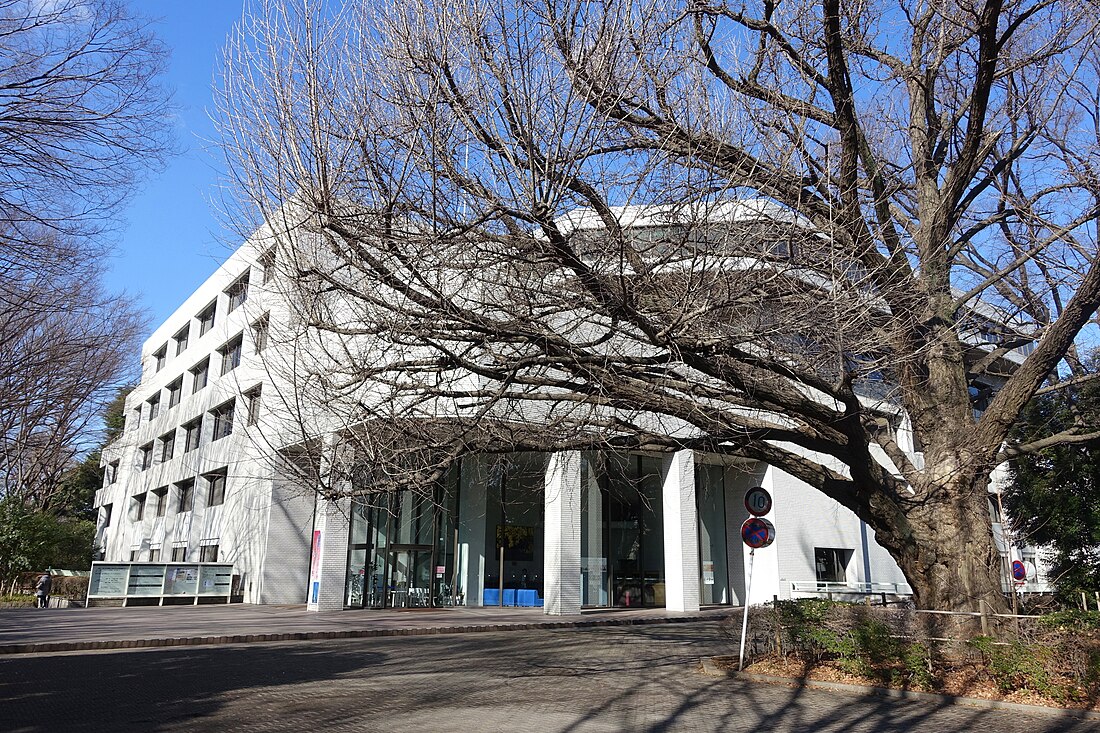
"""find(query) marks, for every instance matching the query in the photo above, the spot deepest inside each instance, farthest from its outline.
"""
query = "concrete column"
(562, 550)
(681, 533)
(473, 499)
(329, 555)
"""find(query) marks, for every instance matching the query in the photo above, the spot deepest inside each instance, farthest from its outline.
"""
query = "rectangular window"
(252, 398)
(192, 434)
(259, 333)
(223, 420)
(200, 374)
(160, 357)
(106, 514)
(134, 555)
(160, 500)
(167, 445)
(179, 554)
(110, 475)
(146, 455)
(137, 508)
(831, 564)
(136, 416)
(154, 406)
(181, 338)
(208, 553)
(267, 263)
(154, 554)
(185, 495)
(206, 318)
(215, 488)
(231, 354)
(175, 391)
(237, 292)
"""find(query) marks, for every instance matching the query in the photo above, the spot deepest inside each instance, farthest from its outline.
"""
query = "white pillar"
(562, 543)
(473, 502)
(329, 555)
(681, 533)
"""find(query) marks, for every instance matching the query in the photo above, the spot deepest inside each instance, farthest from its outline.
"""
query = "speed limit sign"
(758, 501)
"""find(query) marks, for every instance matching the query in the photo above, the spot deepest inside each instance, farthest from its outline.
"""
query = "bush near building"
(1053, 658)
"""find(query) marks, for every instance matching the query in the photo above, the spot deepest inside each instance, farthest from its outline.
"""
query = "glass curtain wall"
(710, 497)
(401, 549)
(516, 523)
(622, 534)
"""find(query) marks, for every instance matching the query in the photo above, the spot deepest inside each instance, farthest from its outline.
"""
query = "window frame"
(237, 292)
(185, 496)
(167, 446)
(175, 391)
(230, 353)
(207, 317)
(203, 368)
(261, 329)
(252, 404)
(206, 550)
(146, 452)
(139, 501)
(223, 420)
(181, 338)
(160, 507)
(192, 427)
(215, 486)
(160, 358)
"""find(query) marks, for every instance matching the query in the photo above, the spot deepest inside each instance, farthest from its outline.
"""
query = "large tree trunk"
(948, 552)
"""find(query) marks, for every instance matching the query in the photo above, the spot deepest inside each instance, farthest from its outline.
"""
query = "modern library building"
(198, 476)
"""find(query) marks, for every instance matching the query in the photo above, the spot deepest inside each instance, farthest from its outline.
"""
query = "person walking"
(42, 590)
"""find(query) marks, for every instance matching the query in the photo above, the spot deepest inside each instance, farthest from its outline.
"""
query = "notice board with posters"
(158, 584)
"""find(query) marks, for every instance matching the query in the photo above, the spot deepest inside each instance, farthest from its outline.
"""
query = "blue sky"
(171, 238)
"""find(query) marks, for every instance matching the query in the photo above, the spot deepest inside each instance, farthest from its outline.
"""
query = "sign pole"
(745, 615)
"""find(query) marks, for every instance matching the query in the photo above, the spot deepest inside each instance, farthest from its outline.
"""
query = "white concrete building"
(195, 477)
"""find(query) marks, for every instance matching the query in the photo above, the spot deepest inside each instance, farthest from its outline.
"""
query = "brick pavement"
(635, 678)
(30, 630)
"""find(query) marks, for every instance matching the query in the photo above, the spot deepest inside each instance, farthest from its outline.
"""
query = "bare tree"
(851, 241)
(81, 116)
(65, 348)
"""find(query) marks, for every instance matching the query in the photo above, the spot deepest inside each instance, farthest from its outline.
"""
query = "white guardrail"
(817, 586)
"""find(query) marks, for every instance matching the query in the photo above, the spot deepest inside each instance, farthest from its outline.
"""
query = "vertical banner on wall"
(314, 571)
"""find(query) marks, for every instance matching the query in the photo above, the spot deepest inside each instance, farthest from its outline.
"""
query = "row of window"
(155, 502)
(230, 353)
(221, 419)
(207, 553)
(236, 295)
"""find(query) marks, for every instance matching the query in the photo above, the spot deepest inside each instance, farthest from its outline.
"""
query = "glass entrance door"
(410, 584)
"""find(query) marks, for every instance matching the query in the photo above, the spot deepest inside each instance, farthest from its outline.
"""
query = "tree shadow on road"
(153, 688)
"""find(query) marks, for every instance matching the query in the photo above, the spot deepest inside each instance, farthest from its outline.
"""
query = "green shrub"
(919, 663)
(1071, 620)
(1017, 666)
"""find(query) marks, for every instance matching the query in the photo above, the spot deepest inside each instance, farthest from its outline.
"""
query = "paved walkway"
(24, 630)
(600, 680)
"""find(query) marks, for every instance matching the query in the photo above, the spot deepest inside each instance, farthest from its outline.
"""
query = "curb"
(79, 646)
(711, 668)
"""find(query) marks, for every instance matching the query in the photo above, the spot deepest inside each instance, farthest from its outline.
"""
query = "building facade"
(198, 476)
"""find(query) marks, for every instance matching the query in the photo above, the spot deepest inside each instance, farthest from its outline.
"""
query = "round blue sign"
(757, 532)
(1019, 571)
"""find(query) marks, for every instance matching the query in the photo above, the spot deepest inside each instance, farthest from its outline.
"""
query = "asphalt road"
(543, 681)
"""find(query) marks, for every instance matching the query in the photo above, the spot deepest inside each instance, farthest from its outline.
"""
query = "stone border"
(46, 647)
(711, 668)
